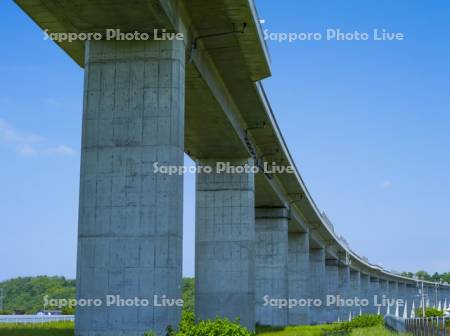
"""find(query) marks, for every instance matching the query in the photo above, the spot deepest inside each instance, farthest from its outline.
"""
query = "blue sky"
(366, 122)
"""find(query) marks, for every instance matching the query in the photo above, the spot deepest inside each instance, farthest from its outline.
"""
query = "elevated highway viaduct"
(259, 235)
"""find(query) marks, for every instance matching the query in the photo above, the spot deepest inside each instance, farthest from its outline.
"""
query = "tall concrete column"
(412, 295)
(416, 295)
(434, 291)
(365, 293)
(428, 295)
(271, 265)
(344, 291)
(225, 245)
(317, 285)
(393, 290)
(332, 280)
(374, 294)
(384, 294)
(355, 290)
(393, 295)
(298, 276)
(402, 292)
(445, 296)
(130, 218)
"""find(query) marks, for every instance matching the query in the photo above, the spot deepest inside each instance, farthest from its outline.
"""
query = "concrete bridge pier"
(393, 294)
(298, 275)
(317, 285)
(271, 265)
(374, 294)
(402, 292)
(130, 218)
(355, 290)
(393, 290)
(384, 294)
(344, 291)
(365, 293)
(225, 244)
(428, 295)
(412, 295)
(332, 285)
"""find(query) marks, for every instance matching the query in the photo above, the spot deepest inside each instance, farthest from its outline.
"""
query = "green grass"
(318, 330)
(37, 329)
(375, 331)
(66, 329)
(322, 330)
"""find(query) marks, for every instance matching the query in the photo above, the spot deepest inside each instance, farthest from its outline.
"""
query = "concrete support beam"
(271, 265)
(365, 292)
(130, 218)
(374, 294)
(332, 281)
(298, 276)
(434, 296)
(384, 294)
(225, 245)
(412, 295)
(393, 290)
(317, 285)
(403, 293)
(355, 290)
(428, 296)
(344, 291)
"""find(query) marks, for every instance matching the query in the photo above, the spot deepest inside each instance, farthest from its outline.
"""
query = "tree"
(423, 275)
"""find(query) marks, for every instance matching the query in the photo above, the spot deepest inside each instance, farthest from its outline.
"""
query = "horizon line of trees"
(423, 275)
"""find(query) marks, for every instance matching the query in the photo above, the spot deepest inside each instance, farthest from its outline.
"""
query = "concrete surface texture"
(344, 291)
(271, 264)
(225, 246)
(355, 290)
(317, 284)
(332, 281)
(374, 294)
(130, 223)
(298, 276)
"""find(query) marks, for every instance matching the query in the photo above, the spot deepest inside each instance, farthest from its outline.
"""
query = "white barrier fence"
(17, 319)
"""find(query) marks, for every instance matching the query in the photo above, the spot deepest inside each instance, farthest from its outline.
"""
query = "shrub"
(363, 321)
(366, 320)
(187, 321)
(429, 312)
(217, 327)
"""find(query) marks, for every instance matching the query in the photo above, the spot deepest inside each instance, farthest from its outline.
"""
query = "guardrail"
(395, 323)
(20, 319)
(432, 326)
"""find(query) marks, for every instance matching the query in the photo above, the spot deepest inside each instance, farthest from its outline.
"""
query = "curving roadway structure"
(264, 252)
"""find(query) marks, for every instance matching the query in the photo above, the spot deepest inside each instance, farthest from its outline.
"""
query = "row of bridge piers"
(252, 262)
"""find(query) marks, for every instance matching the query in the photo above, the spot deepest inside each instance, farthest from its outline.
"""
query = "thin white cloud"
(26, 150)
(61, 150)
(386, 184)
(30, 145)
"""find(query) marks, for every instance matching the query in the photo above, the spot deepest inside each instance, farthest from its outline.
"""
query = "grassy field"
(319, 330)
(323, 330)
(44, 329)
(66, 329)
(374, 331)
